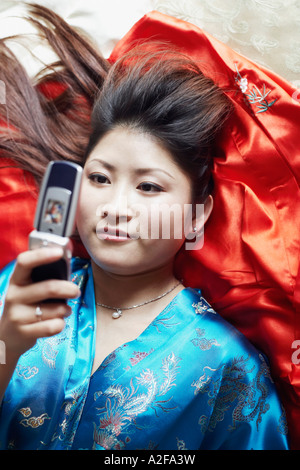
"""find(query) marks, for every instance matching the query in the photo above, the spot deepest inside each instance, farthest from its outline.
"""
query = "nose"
(118, 209)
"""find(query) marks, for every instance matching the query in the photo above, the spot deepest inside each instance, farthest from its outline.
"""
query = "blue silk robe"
(189, 381)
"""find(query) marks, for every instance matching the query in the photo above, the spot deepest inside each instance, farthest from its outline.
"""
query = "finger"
(27, 314)
(41, 291)
(43, 329)
(46, 312)
(28, 260)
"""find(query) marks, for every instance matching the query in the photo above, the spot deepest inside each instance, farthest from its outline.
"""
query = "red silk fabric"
(18, 198)
(248, 268)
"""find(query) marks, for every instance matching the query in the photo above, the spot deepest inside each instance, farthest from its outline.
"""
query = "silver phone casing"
(42, 239)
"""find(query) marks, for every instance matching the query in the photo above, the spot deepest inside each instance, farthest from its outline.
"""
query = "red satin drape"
(248, 266)
(18, 198)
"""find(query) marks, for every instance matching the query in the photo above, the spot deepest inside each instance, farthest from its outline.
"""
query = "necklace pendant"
(117, 314)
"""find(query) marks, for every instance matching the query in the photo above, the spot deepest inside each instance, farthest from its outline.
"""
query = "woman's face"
(131, 189)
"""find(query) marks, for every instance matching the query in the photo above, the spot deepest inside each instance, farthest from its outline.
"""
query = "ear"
(200, 218)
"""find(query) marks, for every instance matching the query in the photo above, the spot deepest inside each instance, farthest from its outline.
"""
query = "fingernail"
(78, 293)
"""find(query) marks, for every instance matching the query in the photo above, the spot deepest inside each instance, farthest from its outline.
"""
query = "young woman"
(135, 360)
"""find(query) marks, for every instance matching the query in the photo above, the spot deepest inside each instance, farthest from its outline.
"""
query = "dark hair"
(152, 89)
(165, 94)
(37, 126)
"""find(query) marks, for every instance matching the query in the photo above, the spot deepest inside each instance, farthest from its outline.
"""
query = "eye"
(150, 187)
(98, 178)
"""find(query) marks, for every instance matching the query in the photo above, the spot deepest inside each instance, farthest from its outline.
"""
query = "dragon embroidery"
(232, 387)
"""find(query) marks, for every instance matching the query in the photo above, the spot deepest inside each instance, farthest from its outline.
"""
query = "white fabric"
(266, 31)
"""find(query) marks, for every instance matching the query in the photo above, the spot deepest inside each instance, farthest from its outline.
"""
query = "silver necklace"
(118, 311)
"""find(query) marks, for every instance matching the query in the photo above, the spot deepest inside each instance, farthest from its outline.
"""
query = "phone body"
(55, 217)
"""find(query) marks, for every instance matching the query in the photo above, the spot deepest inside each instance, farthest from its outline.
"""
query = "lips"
(112, 234)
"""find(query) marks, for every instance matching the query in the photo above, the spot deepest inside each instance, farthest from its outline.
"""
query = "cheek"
(168, 222)
(161, 252)
(85, 211)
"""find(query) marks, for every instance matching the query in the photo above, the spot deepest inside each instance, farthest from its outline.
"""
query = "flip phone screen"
(55, 217)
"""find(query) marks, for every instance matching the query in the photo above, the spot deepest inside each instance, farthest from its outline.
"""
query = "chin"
(125, 266)
(116, 264)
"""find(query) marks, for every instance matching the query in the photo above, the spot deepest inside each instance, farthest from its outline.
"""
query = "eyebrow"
(138, 171)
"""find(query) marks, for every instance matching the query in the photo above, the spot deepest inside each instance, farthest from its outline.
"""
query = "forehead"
(130, 148)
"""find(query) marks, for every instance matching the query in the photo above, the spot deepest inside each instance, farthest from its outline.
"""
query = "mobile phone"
(55, 217)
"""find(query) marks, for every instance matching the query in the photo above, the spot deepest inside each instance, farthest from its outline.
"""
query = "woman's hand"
(20, 326)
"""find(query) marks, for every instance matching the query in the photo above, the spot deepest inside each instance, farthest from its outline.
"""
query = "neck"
(126, 290)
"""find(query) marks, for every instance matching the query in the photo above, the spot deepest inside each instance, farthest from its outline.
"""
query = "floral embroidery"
(162, 402)
(254, 96)
(138, 356)
(243, 84)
